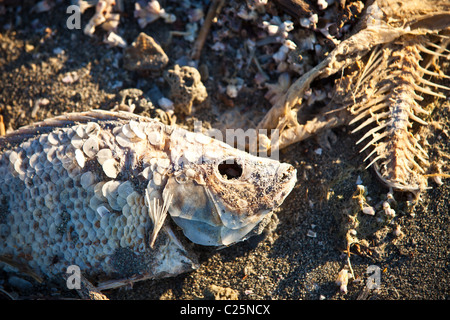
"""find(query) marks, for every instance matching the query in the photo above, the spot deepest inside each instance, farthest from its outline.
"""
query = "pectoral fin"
(193, 211)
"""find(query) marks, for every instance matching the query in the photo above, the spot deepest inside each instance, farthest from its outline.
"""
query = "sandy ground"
(301, 253)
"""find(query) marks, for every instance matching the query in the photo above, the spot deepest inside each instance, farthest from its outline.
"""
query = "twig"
(297, 8)
(213, 11)
(2, 126)
(349, 263)
(260, 69)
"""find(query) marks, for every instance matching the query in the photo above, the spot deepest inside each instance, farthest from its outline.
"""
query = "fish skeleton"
(96, 190)
(388, 63)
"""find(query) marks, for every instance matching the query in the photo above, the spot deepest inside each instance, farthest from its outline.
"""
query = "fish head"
(221, 197)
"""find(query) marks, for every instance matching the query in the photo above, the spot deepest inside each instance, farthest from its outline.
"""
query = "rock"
(145, 55)
(214, 292)
(185, 87)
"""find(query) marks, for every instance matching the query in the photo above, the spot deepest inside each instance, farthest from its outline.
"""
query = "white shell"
(77, 142)
(369, 210)
(34, 160)
(127, 132)
(123, 140)
(211, 154)
(153, 162)
(13, 156)
(110, 189)
(162, 165)
(154, 138)
(90, 146)
(137, 130)
(92, 129)
(79, 156)
(109, 168)
(161, 170)
(53, 138)
(98, 190)
(342, 280)
(51, 154)
(103, 155)
(153, 192)
(80, 131)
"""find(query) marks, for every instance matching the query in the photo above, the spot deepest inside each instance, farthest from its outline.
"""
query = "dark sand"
(283, 263)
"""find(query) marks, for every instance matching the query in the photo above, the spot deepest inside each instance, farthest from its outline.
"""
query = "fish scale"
(93, 190)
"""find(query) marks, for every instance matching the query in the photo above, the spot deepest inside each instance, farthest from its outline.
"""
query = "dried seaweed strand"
(213, 11)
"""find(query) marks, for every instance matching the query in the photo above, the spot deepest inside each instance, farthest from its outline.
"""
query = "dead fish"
(109, 192)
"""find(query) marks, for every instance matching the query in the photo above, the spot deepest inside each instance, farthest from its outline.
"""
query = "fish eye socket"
(230, 169)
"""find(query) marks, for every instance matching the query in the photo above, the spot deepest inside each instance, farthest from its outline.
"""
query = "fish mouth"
(286, 176)
(207, 220)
